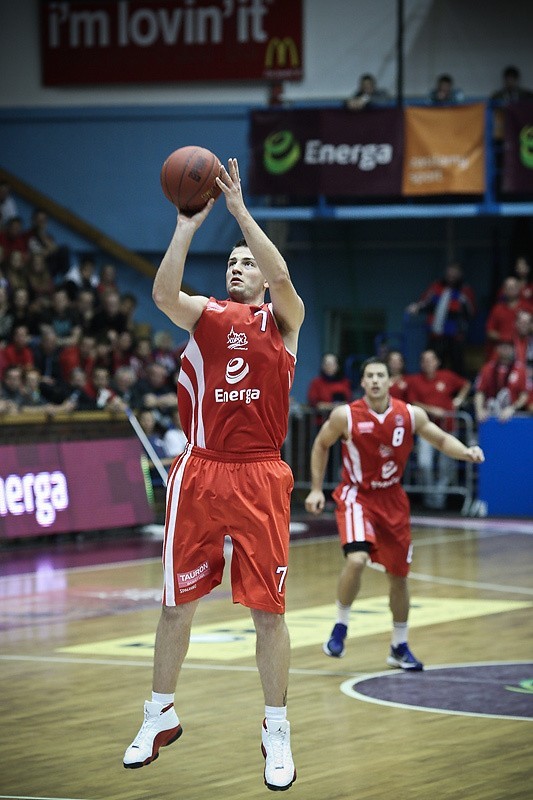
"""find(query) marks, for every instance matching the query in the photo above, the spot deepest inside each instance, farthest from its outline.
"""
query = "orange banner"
(444, 150)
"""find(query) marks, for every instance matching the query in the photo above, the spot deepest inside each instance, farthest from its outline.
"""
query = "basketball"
(188, 178)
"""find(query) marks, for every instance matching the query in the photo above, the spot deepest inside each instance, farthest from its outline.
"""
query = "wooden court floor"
(76, 635)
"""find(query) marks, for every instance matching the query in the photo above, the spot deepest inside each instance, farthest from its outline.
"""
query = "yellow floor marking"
(235, 639)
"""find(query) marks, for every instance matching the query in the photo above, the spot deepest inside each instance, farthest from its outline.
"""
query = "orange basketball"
(188, 178)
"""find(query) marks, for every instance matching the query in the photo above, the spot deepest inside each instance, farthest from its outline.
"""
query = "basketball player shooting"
(233, 399)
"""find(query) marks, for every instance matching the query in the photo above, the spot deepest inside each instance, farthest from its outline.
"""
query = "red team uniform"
(372, 506)
(233, 398)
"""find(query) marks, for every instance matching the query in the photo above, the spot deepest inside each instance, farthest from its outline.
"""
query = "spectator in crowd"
(501, 388)
(82, 354)
(502, 316)
(39, 280)
(367, 95)
(399, 386)
(109, 321)
(103, 352)
(6, 317)
(440, 392)
(142, 356)
(174, 440)
(85, 306)
(104, 395)
(444, 92)
(128, 307)
(75, 396)
(13, 237)
(122, 350)
(165, 352)
(40, 240)
(33, 397)
(125, 386)
(16, 270)
(8, 205)
(523, 342)
(511, 91)
(12, 389)
(107, 280)
(330, 387)
(158, 395)
(82, 277)
(449, 304)
(522, 272)
(17, 353)
(63, 318)
(47, 359)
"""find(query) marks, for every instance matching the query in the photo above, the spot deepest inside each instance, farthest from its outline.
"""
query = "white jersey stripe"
(173, 495)
(355, 471)
(185, 381)
(192, 352)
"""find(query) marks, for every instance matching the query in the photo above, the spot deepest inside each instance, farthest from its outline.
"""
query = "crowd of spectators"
(68, 337)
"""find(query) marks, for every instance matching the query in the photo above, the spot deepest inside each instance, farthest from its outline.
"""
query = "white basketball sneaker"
(160, 728)
(280, 772)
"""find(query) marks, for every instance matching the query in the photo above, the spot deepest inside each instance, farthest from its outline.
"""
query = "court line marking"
(31, 797)
(109, 662)
(346, 688)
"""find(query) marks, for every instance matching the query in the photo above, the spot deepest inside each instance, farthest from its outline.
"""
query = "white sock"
(275, 715)
(162, 699)
(399, 633)
(343, 613)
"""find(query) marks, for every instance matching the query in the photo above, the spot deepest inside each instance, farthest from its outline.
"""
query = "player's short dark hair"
(240, 243)
(374, 360)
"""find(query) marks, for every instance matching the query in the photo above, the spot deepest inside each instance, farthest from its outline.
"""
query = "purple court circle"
(482, 689)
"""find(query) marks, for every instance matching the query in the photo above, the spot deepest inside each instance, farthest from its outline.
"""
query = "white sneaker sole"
(328, 652)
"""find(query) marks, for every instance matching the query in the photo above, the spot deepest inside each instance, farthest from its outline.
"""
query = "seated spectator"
(142, 357)
(444, 93)
(82, 277)
(449, 305)
(502, 316)
(174, 440)
(107, 280)
(17, 353)
(103, 356)
(367, 95)
(20, 308)
(511, 91)
(523, 343)
(39, 280)
(109, 321)
(128, 307)
(440, 392)
(8, 205)
(13, 237)
(165, 352)
(47, 359)
(75, 396)
(40, 240)
(82, 354)
(33, 397)
(126, 388)
(330, 387)
(84, 304)
(6, 317)
(63, 318)
(501, 386)
(12, 389)
(122, 350)
(15, 270)
(399, 381)
(158, 394)
(100, 389)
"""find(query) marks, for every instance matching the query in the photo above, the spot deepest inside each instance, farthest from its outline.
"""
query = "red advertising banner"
(158, 41)
(444, 150)
(71, 486)
(518, 149)
(332, 152)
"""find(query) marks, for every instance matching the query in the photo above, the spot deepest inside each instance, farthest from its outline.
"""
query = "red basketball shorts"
(381, 518)
(209, 497)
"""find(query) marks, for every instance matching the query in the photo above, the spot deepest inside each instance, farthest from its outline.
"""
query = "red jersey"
(400, 388)
(376, 452)
(502, 318)
(235, 379)
(495, 376)
(437, 391)
(324, 390)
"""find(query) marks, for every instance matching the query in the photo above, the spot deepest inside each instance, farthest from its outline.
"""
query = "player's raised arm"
(287, 305)
(445, 442)
(183, 309)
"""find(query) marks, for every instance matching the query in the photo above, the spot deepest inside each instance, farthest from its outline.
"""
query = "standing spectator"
(329, 388)
(399, 381)
(40, 240)
(444, 93)
(367, 95)
(511, 91)
(18, 352)
(440, 392)
(8, 206)
(501, 386)
(502, 316)
(449, 304)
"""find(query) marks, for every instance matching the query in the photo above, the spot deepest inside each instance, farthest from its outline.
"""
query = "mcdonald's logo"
(281, 50)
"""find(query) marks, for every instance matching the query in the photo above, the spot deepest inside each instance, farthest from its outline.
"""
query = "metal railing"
(305, 422)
